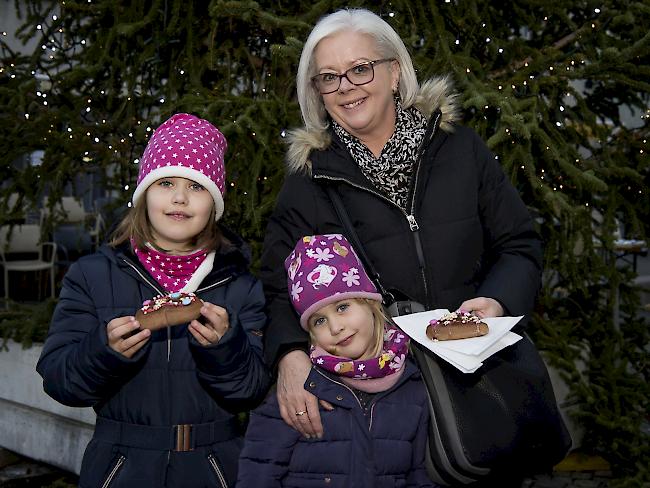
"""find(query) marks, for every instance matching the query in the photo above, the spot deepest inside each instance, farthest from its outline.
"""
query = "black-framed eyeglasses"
(360, 74)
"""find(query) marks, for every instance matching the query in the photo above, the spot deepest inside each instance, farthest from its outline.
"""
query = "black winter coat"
(173, 380)
(380, 444)
(465, 232)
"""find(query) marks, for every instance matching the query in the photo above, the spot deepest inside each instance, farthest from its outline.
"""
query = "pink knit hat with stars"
(324, 269)
(186, 146)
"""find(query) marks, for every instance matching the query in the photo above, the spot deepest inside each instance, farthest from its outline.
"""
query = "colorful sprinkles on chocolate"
(449, 318)
(176, 299)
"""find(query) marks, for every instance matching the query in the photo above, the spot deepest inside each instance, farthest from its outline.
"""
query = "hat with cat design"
(324, 269)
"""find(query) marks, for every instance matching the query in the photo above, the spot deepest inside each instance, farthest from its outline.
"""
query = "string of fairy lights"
(56, 43)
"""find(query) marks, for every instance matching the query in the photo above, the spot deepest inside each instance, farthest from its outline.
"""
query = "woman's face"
(178, 210)
(367, 111)
(345, 328)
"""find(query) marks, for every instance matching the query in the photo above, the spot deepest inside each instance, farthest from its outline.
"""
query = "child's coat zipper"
(215, 466)
(111, 475)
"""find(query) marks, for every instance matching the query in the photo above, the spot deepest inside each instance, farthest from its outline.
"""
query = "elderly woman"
(435, 213)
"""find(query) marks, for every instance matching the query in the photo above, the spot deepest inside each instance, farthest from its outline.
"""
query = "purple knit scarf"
(370, 375)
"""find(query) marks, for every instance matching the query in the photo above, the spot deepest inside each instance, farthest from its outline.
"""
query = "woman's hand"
(216, 324)
(298, 407)
(483, 307)
(121, 336)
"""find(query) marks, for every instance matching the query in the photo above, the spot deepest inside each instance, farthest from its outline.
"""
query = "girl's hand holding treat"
(121, 336)
(215, 326)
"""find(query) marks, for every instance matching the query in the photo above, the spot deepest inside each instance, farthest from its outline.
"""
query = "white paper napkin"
(467, 355)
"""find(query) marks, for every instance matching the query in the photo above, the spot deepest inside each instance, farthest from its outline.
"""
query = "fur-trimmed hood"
(436, 93)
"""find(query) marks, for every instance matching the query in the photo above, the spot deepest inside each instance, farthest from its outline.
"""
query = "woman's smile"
(354, 104)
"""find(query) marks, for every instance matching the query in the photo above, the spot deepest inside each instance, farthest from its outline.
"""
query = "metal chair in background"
(23, 241)
(77, 230)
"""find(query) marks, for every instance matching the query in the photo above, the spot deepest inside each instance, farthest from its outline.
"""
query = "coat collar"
(231, 260)
(435, 94)
(328, 387)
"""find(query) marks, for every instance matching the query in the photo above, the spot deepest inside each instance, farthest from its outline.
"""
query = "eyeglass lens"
(357, 75)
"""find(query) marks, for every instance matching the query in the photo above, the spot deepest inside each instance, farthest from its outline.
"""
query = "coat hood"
(435, 94)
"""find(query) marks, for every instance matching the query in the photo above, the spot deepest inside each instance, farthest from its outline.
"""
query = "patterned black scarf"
(391, 171)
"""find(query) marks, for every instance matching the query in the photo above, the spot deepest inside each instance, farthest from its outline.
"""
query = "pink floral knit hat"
(186, 146)
(324, 269)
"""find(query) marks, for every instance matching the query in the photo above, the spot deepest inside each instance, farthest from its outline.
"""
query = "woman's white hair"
(389, 45)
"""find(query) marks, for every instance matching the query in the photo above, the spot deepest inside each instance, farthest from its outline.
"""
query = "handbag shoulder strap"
(352, 235)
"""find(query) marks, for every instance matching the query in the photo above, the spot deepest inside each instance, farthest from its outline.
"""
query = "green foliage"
(545, 83)
(25, 324)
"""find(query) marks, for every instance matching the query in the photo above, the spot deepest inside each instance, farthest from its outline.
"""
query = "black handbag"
(498, 422)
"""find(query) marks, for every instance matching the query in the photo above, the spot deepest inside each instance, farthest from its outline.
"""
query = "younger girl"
(167, 400)
(376, 434)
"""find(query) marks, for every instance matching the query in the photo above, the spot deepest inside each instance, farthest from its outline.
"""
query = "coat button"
(328, 480)
(339, 397)
(312, 385)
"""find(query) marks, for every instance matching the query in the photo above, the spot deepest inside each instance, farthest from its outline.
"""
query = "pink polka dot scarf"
(173, 272)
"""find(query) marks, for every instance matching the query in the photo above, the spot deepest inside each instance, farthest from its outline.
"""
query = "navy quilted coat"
(380, 445)
(172, 380)
(466, 233)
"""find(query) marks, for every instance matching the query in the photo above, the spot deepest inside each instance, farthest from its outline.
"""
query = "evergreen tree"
(559, 89)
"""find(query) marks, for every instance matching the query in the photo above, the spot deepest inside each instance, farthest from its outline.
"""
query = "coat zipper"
(415, 228)
(343, 385)
(372, 407)
(374, 401)
(160, 292)
(144, 278)
(111, 475)
(410, 217)
(215, 466)
(215, 285)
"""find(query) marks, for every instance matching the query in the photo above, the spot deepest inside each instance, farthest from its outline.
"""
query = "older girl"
(166, 401)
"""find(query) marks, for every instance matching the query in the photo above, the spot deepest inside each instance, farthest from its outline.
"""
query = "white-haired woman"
(435, 213)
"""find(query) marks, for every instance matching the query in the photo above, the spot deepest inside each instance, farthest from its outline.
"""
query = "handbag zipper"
(111, 475)
(215, 466)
